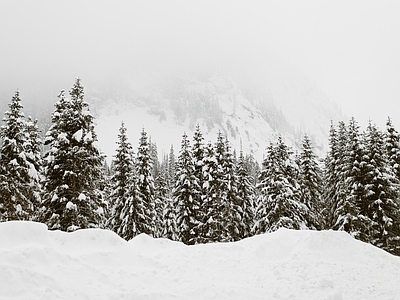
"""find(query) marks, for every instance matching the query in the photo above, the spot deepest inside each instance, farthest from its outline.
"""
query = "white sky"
(350, 48)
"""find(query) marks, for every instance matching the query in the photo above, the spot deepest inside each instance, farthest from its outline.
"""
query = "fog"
(349, 48)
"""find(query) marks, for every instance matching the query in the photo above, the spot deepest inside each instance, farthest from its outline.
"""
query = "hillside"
(249, 108)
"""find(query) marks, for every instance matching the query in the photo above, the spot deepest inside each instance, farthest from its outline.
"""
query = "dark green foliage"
(392, 144)
(145, 185)
(279, 201)
(211, 226)
(311, 183)
(245, 192)
(73, 166)
(184, 193)
(351, 208)
(200, 191)
(123, 189)
(383, 210)
(20, 165)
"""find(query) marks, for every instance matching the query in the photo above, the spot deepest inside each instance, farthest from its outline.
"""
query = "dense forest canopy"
(208, 192)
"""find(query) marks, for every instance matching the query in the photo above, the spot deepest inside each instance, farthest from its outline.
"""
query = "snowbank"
(96, 264)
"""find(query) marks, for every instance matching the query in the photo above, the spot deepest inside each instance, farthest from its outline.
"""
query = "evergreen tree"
(279, 204)
(160, 190)
(392, 143)
(310, 182)
(211, 226)
(351, 213)
(200, 192)
(169, 221)
(233, 203)
(220, 200)
(335, 189)
(34, 159)
(19, 164)
(245, 191)
(184, 194)
(171, 171)
(146, 189)
(383, 210)
(73, 166)
(161, 197)
(123, 188)
(330, 177)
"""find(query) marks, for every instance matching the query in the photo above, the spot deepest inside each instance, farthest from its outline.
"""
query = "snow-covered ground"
(96, 264)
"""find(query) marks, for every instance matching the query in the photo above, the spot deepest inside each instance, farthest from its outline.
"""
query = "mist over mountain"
(250, 108)
(250, 103)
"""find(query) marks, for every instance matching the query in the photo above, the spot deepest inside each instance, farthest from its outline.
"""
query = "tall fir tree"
(123, 189)
(146, 189)
(160, 189)
(350, 214)
(171, 171)
(211, 225)
(234, 204)
(221, 208)
(330, 178)
(73, 166)
(335, 189)
(310, 181)
(392, 144)
(381, 195)
(19, 164)
(279, 204)
(184, 194)
(200, 192)
(245, 191)
(161, 198)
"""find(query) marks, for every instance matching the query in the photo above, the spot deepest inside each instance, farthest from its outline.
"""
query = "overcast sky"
(350, 48)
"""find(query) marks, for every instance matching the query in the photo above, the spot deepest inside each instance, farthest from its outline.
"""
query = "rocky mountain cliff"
(250, 109)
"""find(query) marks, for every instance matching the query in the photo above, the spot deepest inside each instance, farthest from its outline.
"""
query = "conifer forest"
(205, 192)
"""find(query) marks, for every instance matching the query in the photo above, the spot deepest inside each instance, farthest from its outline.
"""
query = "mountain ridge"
(249, 114)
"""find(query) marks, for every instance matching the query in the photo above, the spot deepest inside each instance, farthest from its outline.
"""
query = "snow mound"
(17, 234)
(97, 264)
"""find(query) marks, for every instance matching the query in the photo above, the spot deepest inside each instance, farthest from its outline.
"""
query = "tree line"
(208, 193)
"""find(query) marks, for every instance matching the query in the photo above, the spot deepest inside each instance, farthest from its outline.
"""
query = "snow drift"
(96, 264)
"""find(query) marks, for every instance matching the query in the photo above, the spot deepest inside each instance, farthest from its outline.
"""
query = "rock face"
(250, 109)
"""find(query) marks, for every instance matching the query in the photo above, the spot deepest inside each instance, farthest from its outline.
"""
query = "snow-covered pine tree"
(146, 189)
(169, 220)
(123, 189)
(34, 157)
(351, 213)
(245, 191)
(335, 190)
(310, 181)
(19, 164)
(184, 193)
(279, 204)
(221, 205)
(160, 189)
(211, 227)
(200, 213)
(381, 195)
(234, 204)
(330, 178)
(73, 166)
(392, 143)
(171, 171)
(161, 197)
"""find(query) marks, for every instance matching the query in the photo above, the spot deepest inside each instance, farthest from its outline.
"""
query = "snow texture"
(96, 264)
